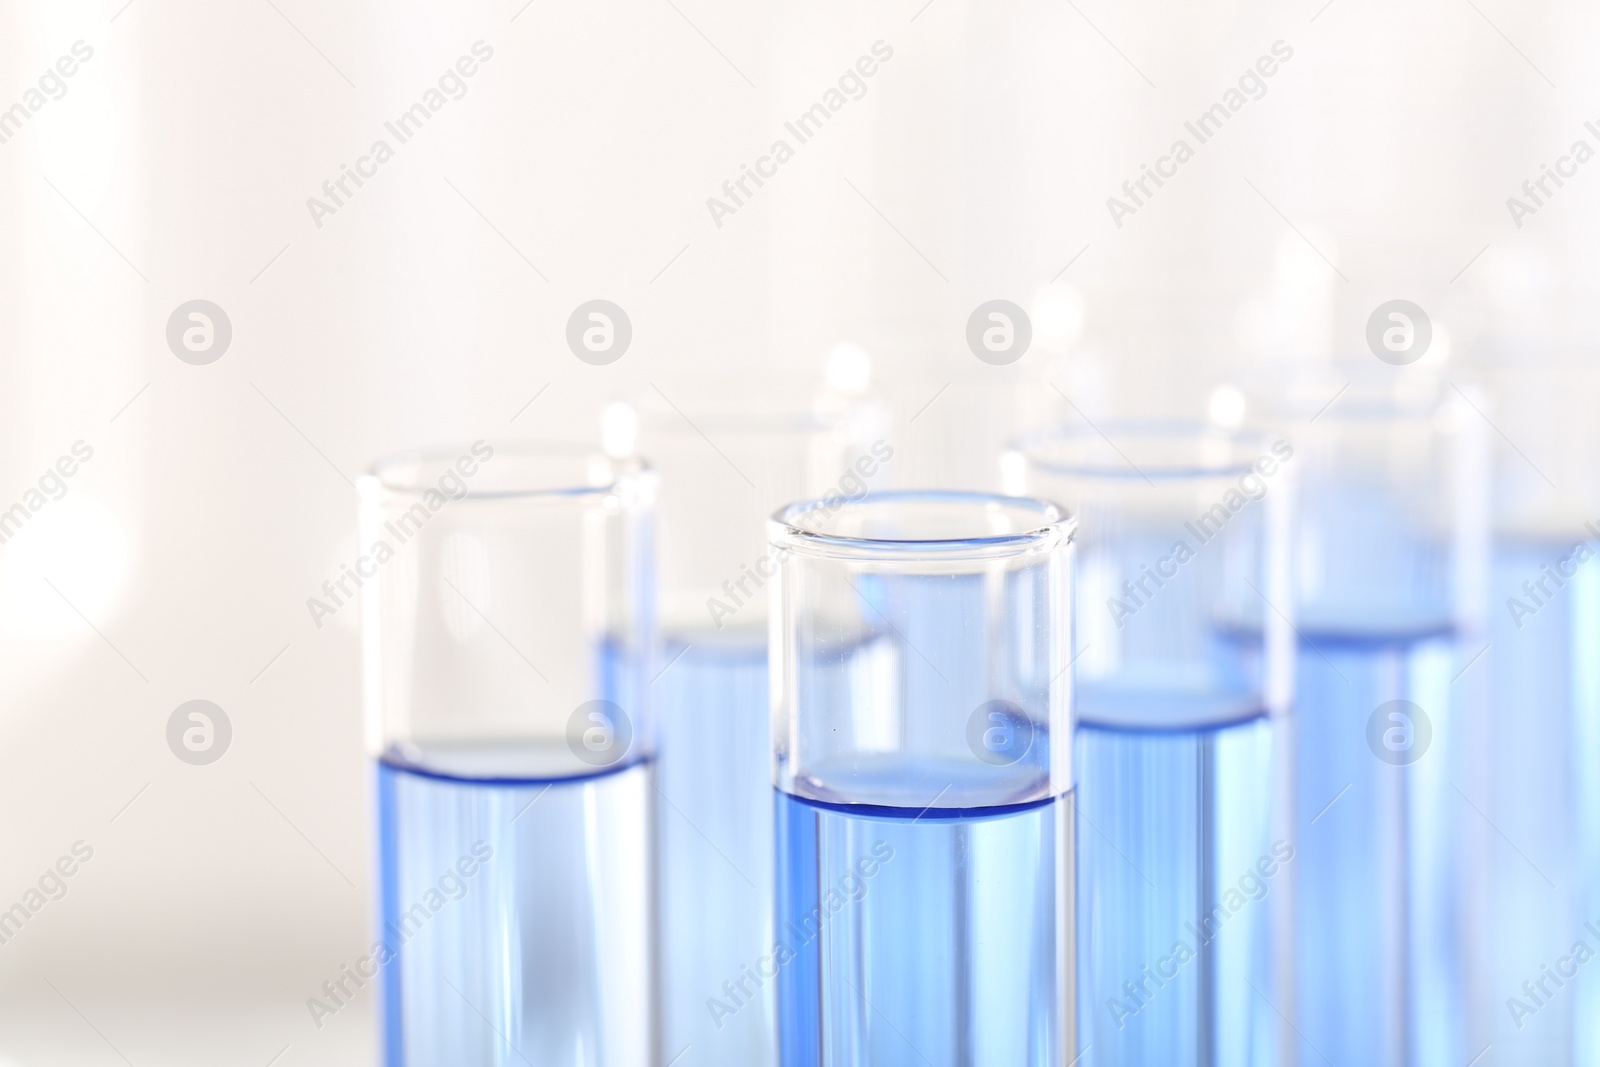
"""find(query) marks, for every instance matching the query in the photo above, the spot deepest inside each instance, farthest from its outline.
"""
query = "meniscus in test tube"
(920, 725)
(729, 452)
(508, 637)
(1180, 673)
(1536, 692)
(1389, 549)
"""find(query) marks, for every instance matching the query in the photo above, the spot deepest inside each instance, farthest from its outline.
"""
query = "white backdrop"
(176, 162)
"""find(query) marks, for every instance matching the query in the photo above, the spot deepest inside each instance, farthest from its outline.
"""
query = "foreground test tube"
(920, 721)
(1181, 668)
(508, 630)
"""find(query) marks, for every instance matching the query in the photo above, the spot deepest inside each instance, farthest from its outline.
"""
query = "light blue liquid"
(1175, 870)
(924, 887)
(1542, 789)
(918, 936)
(1378, 925)
(715, 838)
(543, 954)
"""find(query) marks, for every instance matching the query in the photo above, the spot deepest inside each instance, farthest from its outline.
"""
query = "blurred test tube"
(1181, 672)
(730, 452)
(1388, 551)
(1535, 841)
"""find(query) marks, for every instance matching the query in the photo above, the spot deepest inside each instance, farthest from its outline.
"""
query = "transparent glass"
(1182, 679)
(729, 453)
(509, 632)
(1533, 745)
(1389, 547)
(920, 693)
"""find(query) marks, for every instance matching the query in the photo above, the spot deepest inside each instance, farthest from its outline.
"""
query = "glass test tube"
(1388, 547)
(1535, 768)
(508, 639)
(728, 455)
(920, 699)
(1182, 667)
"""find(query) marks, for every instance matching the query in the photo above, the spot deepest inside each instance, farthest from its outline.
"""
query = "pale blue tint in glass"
(509, 636)
(1388, 545)
(729, 453)
(714, 838)
(1180, 666)
(1544, 787)
(1535, 770)
(924, 850)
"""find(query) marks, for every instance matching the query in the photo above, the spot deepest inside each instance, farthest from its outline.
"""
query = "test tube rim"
(1056, 529)
(630, 473)
(1118, 468)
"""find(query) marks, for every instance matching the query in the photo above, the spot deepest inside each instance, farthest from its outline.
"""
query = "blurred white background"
(176, 162)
